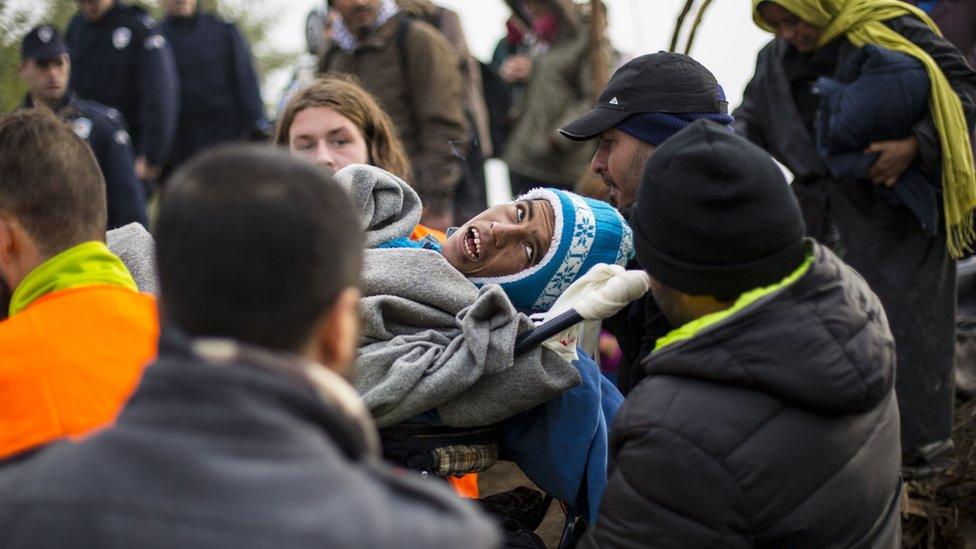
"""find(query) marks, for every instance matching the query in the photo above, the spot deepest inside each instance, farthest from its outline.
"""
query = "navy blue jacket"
(104, 130)
(877, 95)
(220, 99)
(124, 61)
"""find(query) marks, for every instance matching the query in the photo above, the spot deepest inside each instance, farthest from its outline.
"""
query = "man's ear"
(7, 242)
(336, 336)
(18, 252)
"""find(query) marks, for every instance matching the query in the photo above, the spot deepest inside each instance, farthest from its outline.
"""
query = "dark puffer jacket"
(776, 427)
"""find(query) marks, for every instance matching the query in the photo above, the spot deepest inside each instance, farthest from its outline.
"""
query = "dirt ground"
(505, 476)
(940, 512)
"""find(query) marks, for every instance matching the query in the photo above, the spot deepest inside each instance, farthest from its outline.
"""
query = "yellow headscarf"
(861, 22)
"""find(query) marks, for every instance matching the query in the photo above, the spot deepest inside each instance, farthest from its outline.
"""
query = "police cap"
(43, 42)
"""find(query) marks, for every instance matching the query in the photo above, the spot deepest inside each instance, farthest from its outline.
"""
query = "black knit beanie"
(715, 216)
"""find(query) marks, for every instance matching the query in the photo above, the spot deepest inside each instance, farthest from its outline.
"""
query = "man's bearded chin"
(610, 185)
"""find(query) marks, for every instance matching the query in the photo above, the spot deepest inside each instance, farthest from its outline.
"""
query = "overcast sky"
(727, 41)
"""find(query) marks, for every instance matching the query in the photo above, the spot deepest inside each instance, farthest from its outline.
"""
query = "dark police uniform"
(123, 60)
(104, 130)
(220, 99)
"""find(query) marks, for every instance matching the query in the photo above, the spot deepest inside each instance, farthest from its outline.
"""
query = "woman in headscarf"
(911, 270)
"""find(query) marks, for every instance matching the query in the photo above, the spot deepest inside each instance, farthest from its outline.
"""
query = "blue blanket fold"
(562, 444)
(877, 95)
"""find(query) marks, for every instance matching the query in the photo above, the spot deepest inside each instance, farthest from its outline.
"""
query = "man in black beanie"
(768, 417)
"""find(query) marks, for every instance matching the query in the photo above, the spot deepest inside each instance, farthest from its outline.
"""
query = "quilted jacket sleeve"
(665, 491)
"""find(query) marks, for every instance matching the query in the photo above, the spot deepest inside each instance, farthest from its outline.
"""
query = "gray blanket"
(389, 208)
(137, 250)
(430, 339)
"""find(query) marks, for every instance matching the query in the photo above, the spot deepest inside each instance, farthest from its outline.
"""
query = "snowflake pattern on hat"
(586, 232)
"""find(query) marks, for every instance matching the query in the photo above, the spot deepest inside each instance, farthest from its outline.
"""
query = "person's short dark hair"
(50, 181)
(254, 245)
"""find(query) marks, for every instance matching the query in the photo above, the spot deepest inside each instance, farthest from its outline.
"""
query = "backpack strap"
(403, 28)
(400, 39)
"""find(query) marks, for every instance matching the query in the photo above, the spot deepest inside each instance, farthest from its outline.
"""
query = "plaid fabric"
(463, 459)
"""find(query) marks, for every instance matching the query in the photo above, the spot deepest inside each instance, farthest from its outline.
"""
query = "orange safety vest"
(465, 486)
(420, 232)
(70, 360)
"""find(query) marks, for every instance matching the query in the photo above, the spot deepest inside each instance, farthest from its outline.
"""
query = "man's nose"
(503, 232)
(598, 164)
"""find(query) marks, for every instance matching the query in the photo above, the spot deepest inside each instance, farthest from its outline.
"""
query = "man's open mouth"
(472, 244)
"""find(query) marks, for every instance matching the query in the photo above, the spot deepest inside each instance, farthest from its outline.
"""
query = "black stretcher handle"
(547, 329)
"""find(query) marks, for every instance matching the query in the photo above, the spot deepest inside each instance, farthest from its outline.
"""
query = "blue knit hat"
(586, 232)
(656, 127)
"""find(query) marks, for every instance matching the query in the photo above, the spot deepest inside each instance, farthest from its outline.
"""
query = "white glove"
(600, 293)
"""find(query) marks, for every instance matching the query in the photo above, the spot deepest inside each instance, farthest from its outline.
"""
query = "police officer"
(45, 67)
(122, 59)
(219, 95)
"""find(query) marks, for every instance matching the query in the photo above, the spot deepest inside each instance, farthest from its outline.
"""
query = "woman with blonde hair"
(334, 122)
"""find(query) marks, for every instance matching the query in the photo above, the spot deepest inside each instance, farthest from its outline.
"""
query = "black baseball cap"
(43, 42)
(658, 82)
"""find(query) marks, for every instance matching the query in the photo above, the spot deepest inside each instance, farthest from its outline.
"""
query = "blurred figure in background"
(318, 36)
(557, 73)
(470, 198)
(411, 69)
(121, 59)
(45, 66)
(220, 96)
(957, 21)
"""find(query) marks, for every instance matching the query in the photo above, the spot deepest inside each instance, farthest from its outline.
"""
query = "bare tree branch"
(694, 26)
(679, 23)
